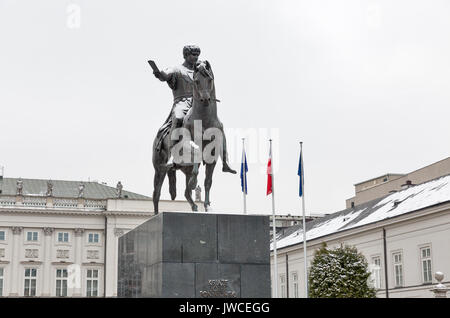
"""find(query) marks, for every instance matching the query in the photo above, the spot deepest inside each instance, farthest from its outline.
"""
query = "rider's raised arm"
(166, 74)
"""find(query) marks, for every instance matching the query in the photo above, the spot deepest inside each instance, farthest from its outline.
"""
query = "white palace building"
(60, 238)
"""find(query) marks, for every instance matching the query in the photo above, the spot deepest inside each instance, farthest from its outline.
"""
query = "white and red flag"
(269, 172)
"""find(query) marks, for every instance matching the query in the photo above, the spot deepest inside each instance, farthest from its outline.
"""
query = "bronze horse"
(204, 108)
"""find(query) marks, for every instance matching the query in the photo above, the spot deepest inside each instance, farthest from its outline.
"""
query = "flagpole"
(304, 219)
(244, 175)
(273, 224)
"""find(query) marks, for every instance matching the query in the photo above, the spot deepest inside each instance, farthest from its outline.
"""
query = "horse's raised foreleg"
(188, 192)
(157, 184)
(208, 182)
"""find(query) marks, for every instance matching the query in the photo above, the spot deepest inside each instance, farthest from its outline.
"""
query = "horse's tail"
(160, 157)
(172, 183)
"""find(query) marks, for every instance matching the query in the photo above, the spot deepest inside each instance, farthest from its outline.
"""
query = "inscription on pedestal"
(218, 288)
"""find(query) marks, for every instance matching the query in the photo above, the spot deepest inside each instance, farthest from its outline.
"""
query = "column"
(78, 259)
(108, 259)
(16, 248)
(113, 261)
(47, 259)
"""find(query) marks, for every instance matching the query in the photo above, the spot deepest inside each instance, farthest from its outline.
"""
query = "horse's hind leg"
(157, 184)
(188, 192)
(193, 177)
(208, 182)
(172, 183)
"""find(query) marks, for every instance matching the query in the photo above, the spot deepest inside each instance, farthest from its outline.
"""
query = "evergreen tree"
(339, 273)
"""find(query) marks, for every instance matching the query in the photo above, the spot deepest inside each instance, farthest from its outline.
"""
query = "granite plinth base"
(194, 255)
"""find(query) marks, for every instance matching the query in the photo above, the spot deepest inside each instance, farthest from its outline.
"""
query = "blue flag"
(244, 169)
(300, 174)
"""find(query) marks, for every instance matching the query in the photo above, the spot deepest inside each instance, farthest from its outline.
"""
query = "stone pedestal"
(195, 255)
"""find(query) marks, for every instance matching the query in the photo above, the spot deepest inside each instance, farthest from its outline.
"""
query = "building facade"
(60, 238)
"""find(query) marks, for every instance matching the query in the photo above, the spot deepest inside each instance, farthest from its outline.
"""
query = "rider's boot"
(176, 123)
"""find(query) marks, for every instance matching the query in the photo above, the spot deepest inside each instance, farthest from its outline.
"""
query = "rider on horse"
(180, 80)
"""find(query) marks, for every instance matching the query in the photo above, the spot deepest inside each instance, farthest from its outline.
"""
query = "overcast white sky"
(364, 84)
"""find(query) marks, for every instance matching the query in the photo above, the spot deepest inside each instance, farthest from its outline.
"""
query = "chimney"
(407, 184)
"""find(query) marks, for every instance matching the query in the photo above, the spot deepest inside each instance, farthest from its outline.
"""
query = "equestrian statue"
(194, 118)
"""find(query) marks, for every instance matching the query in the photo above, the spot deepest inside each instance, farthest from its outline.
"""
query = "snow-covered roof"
(411, 199)
(65, 189)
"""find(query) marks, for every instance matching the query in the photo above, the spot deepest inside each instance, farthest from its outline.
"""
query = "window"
(398, 269)
(1, 281)
(30, 281)
(2, 235)
(32, 236)
(92, 283)
(283, 285)
(376, 272)
(294, 279)
(61, 282)
(63, 237)
(425, 255)
(93, 238)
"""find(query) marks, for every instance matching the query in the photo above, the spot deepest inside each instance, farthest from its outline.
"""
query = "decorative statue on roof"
(81, 190)
(19, 187)
(193, 117)
(49, 188)
(119, 188)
